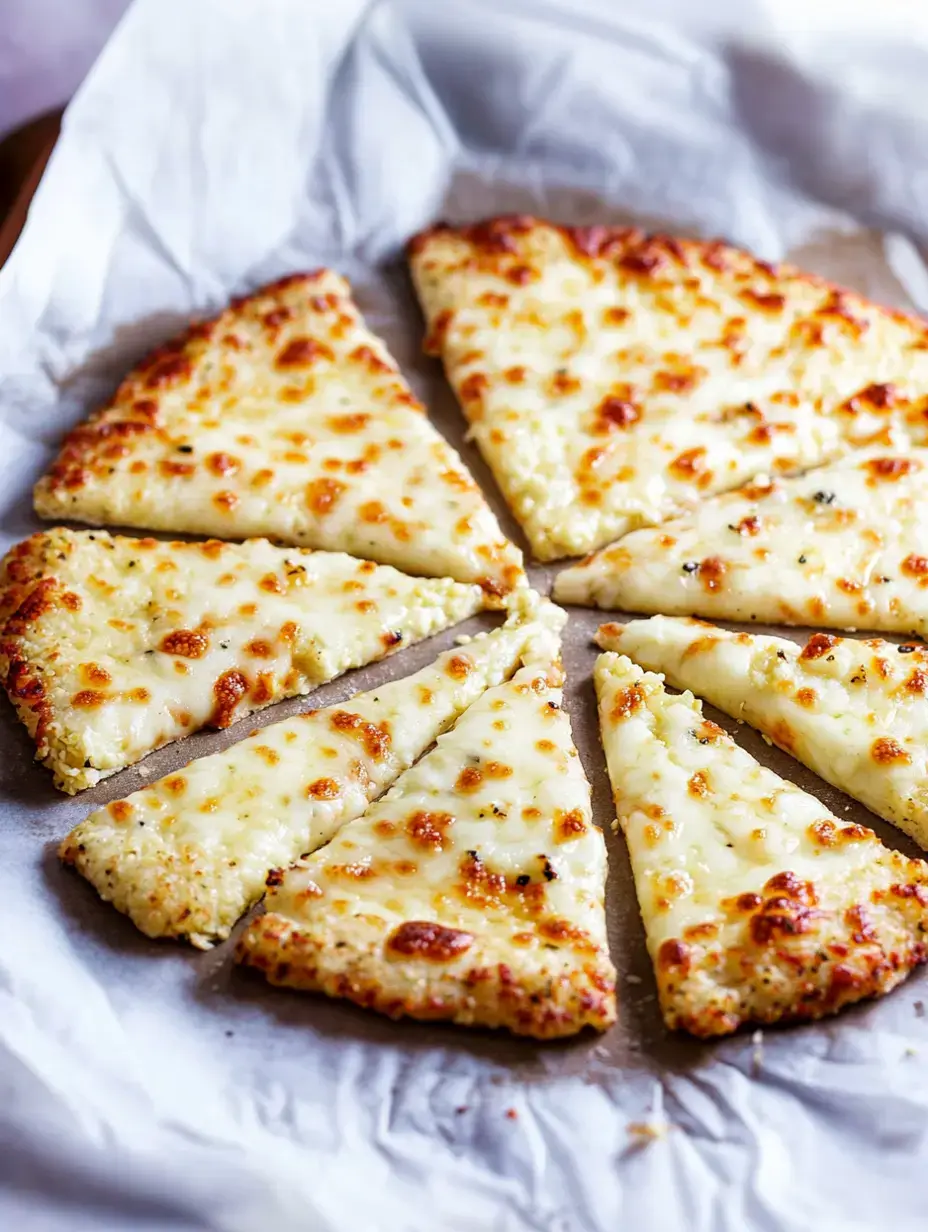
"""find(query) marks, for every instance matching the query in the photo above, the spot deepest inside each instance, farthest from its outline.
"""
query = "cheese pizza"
(835, 547)
(473, 892)
(286, 417)
(111, 647)
(612, 377)
(758, 904)
(855, 712)
(186, 856)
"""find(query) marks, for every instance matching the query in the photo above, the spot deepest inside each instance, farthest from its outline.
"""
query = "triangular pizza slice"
(833, 547)
(286, 417)
(187, 855)
(758, 904)
(111, 647)
(854, 711)
(612, 377)
(473, 892)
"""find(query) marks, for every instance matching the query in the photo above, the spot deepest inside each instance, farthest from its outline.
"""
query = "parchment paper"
(220, 143)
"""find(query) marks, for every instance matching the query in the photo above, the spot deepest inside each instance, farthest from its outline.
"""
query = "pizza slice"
(286, 417)
(758, 904)
(833, 547)
(611, 378)
(473, 892)
(111, 647)
(854, 711)
(187, 855)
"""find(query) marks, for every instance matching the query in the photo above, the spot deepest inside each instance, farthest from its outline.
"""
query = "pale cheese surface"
(187, 855)
(111, 647)
(759, 905)
(854, 711)
(837, 547)
(472, 892)
(283, 417)
(611, 378)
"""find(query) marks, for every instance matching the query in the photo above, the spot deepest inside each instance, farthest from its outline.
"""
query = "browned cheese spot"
(712, 572)
(323, 494)
(302, 352)
(891, 469)
(819, 644)
(434, 942)
(627, 701)
(89, 699)
(375, 737)
(228, 691)
(323, 789)
(698, 785)
(691, 467)
(429, 830)
(186, 643)
(749, 525)
(887, 752)
(616, 413)
(459, 667)
(223, 463)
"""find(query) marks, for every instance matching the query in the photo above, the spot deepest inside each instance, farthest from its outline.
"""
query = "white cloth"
(46, 49)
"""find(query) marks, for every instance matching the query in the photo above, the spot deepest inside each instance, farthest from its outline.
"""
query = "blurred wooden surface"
(23, 155)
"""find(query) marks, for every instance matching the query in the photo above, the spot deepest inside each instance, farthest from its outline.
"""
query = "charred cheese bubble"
(472, 892)
(758, 904)
(834, 547)
(611, 377)
(186, 856)
(111, 647)
(284, 416)
(855, 712)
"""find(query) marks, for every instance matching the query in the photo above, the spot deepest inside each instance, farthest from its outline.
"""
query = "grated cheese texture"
(187, 855)
(612, 378)
(854, 711)
(111, 647)
(758, 904)
(833, 547)
(286, 417)
(473, 891)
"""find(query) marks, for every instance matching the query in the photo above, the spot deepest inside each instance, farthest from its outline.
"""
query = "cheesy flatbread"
(855, 712)
(111, 647)
(286, 417)
(472, 892)
(186, 856)
(836, 547)
(612, 377)
(758, 904)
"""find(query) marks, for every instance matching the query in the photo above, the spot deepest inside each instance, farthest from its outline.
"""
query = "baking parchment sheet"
(219, 143)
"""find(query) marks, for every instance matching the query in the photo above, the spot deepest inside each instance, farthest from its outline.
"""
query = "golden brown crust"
(506, 242)
(460, 985)
(800, 955)
(27, 592)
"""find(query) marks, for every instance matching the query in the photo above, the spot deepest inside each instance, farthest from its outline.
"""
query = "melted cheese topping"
(473, 891)
(855, 712)
(111, 647)
(758, 904)
(611, 377)
(283, 417)
(186, 856)
(834, 547)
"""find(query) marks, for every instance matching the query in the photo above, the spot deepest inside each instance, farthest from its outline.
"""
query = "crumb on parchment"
(643, 1132)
